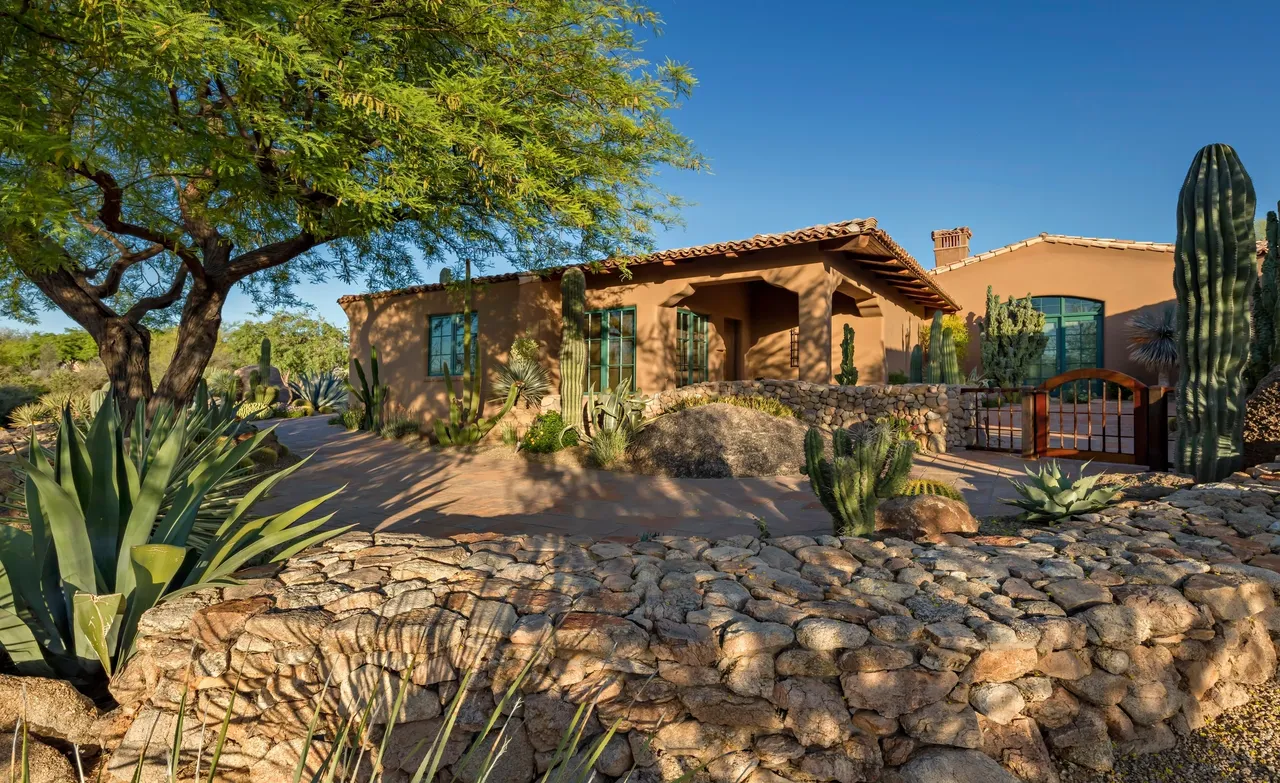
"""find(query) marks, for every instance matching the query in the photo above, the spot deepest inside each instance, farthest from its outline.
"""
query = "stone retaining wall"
(787, 659)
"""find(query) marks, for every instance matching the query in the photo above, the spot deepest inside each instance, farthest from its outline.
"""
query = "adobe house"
(772, 306)
(1088, 289)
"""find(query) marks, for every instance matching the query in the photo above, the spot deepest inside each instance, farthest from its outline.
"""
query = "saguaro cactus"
(917, 364)
(573, 346)
(848, 375)
(1264, 351)
(950, 362)
(1214, 274)
(933, 370)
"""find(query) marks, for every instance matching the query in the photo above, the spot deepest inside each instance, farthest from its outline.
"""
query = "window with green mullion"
(611, 347)
(691, 347)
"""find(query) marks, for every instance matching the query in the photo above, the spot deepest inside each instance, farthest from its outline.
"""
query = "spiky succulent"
(1051, 496)
(319, 393)
(1153, 340)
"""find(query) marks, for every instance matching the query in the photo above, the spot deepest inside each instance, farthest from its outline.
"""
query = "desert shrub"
(768, 405)
(351, 418)
(609, 447)
(898, 378)
(544, 434)
(510, 435)
(398, 426)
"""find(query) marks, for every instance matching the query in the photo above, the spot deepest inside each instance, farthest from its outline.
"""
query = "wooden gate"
(1101, 415)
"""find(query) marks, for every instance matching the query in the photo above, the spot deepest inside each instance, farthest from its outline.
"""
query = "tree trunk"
(125, 350)
(197, 337)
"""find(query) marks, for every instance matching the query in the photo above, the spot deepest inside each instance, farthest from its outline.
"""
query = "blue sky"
(1011, 118)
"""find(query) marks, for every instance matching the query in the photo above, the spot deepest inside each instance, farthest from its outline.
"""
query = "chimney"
(950, 245)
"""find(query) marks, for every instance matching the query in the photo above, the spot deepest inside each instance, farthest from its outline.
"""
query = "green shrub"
(544, 434)
(351, 418)
(898, 378)
(768, 405)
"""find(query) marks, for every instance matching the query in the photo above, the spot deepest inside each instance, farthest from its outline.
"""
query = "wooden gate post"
(1157, 428)
(1035, 423)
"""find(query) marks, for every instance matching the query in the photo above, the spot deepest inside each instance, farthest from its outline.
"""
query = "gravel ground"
(1241, 746)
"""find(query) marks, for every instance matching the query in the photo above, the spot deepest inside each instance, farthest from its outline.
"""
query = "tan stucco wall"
(1125, 281)
(767, 293)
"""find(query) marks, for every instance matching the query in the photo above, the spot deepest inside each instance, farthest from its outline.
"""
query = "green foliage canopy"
(299, 344)
(155, 154)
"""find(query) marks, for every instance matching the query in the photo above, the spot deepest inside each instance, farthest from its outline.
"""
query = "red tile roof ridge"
(1059, 239)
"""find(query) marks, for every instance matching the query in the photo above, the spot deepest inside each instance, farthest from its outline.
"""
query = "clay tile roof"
(1060, 239)
(845, 229)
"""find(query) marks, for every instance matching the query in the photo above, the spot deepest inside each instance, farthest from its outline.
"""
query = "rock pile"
(933, 410)
(1262, 421)
(795, 658)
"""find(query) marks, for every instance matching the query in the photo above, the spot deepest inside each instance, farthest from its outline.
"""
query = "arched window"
(1074, 327)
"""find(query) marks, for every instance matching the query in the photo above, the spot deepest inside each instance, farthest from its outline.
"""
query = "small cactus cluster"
(848, 375)
(1215, 271)
(573, 346)
(941, 364)
(867, 465)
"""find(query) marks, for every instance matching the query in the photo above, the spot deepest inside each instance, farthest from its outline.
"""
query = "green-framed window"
(1074, 327)
(611, 347)
(444, 343)
(691, 347)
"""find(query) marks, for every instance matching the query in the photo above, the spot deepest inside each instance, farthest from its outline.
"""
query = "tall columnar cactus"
(573, 346)
(372, 397)
(933, 370)
(867, 465)
(917, 364)
(260, 388)
(1214, 273)
(465, 425)
(848, 375)
(1264, 351)
(950, 363)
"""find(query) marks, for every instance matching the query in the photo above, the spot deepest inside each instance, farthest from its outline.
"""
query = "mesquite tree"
(155, 155)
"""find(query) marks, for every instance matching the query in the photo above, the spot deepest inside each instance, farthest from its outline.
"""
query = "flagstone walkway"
(391, 486)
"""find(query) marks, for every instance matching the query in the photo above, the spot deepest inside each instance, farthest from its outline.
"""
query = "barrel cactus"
(1215, 271)
(867, 465)
(917, 364)
(926, 486)
(573, 346)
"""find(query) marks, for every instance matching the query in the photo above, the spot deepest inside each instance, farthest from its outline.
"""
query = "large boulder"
(45, 764)
(720, 441)
(954, 766)
(52, 708)
(924, 516)
(1262, 421)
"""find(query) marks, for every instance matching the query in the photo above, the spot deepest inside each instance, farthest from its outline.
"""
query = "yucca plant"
(1153, 342)
(111, 521)
(29, 415)
(1050, 496)
(531, 379)
(319, 393)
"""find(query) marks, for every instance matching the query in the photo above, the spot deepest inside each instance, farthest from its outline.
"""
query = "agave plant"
(1153, 342)
(1050, 496)
(110, 523)
(319, 393)
(618, 409)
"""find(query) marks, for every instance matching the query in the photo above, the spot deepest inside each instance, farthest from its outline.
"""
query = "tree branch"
(148, 303)
(275, 254)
